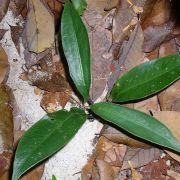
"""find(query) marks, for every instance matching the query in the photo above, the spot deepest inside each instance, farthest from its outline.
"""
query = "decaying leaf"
(48, 75)
(16, 31)
(3, 64)
(119, 137)
(39, 29)
(140, 157)
(53, 101)
(6, 130)
(105, 170)
(107, 155)
(3, 8)
(171, 119)
(131, 55)
(135, 174)
(160, 26)
(2, 32)
(155, 170)
(18, 7)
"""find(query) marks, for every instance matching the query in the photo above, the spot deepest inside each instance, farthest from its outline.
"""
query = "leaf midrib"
(139, 124)
(42, 143)
(144, 82)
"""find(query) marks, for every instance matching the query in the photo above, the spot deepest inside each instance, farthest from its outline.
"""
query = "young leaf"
(137, 123)
(147, 79)
(76, 49)
(80, 5)
(46, 137)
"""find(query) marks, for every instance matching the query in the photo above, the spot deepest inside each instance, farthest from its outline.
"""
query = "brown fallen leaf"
(117, 136)
(2, 32)
(140, 157)
(107, 155)
(3, 8)
(48, 75)
(3, 64)
(36, 38)
(155, 170)
(160, 26)
(16, 32)
(173, 174)
(131, 55)
(53, 101)
(135, 174)
(19, 7)
(6, 130)
(105, 170)
(171, 119)
(56, 8)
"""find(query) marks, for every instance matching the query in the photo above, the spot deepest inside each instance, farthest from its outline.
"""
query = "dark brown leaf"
(6, 130)
(140, 157)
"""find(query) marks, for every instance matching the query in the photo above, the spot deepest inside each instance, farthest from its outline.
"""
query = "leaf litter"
(123, 34)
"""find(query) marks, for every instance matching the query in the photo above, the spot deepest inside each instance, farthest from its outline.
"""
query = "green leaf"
(76, 48)
(80, 5)
(137, 123)
(54, 177)
(46, 137)
(147, 79)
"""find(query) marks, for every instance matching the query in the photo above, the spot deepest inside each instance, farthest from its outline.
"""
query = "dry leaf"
(53, 101)
(105, 170)
(18, 7)
(155, 170)
(2, 32)
(173, 174)
(16, 31)
(171, 119)
(140, 157)
(160, 26)
(39, 29)
(131, 55)
(117, 136)
(34, 174)
(107, 155)
(3, 64)
(135, 174)
(6, 130)
(3, 8)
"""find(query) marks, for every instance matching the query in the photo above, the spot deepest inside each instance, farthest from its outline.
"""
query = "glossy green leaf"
(147, 79)
(137, 123)
(76, 48)
(46, 137)
(80, 5)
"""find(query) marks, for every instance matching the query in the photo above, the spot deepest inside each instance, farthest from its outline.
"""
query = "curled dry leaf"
(3, 64)
(140, 157)
(3, 8)
(39, 29)
(6, 130)
(171, 119)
